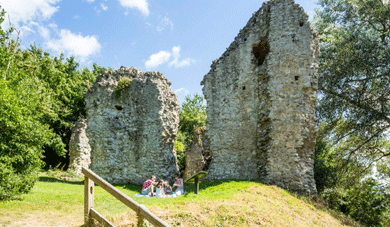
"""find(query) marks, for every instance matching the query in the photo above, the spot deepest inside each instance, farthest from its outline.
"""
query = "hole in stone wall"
(260, 52)
(243, 88)
(301, 23)
(296, 77)
(118, 107)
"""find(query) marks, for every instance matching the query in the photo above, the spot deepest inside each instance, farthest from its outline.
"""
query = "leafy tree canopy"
(192, 114)
(354, 78)
(40, 99)
(354, 107)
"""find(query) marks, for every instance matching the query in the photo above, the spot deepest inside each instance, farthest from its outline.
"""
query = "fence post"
(140, 219)
(89, 190)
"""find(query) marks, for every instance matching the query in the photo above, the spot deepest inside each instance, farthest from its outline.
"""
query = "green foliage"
(179, 146)
(180, 152)
(354, 76)
(40, 99)
(123, 83)
(324, 169)
(22, 136)
(366, 202)
(336, 198)
(193, 114)
(353, 108)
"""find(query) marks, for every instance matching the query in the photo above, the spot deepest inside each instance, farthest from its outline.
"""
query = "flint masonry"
(261, 96)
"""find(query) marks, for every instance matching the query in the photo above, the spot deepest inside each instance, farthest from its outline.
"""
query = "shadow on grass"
(56, 180)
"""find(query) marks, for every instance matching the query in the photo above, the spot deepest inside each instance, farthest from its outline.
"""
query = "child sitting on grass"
(160, 188)
(167, 188)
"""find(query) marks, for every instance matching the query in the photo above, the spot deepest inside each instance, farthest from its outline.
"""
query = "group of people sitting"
(162, 187)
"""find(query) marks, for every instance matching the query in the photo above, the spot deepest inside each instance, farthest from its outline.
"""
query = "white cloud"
(104, 7)
(181, 90)
(90, 1)
(141, 5)
(165, 23)
(22, 12)
(158, 59)
(176, 51)
(31, 17)
(163, 57)
(183, 63)
(176, 61)
(44, 32)
(81, 47)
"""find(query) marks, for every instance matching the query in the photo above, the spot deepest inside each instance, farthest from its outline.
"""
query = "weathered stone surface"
(79, 149)
(198, 155)
(132, 130)
(261, 96)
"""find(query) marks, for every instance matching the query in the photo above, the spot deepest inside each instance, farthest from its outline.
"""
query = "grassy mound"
(57, 200)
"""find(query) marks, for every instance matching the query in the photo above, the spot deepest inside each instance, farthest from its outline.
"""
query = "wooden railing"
(89, 211)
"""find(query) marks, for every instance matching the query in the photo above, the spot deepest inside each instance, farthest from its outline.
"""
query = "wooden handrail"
(141, 210)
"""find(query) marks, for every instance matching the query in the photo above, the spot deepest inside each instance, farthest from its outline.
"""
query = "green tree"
(192, 114)
(40, 99)
(22, 135)
(65, 86)
(354, 76)
(354, 103)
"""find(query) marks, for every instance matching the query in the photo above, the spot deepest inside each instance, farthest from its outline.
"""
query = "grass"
(57, 200)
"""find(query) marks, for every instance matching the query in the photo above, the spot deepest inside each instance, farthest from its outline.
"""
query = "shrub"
(367, 202)
(123, 83)
(22, 138)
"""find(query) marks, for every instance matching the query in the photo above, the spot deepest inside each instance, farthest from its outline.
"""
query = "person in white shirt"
(179, 184)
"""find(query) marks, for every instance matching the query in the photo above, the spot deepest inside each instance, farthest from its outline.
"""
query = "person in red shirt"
(147, 187)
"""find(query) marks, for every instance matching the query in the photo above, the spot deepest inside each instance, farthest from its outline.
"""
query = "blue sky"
(178, 38)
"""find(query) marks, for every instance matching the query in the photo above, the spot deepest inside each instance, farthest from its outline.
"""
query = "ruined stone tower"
(133, 118)
(261, 96)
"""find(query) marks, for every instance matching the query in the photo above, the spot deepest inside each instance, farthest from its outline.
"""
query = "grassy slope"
(57, 202)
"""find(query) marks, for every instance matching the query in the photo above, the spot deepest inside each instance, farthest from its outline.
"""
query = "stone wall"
(132, 122)
(79, 148)
(198, 154)
(261, 96)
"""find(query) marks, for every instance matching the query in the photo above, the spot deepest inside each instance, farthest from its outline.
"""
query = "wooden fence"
(89, 211)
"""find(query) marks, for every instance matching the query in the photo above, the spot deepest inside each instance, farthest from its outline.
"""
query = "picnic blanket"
(173, 195)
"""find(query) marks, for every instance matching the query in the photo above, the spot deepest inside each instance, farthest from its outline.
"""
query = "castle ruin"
(79, 148)
(132, 120)
(261, 96)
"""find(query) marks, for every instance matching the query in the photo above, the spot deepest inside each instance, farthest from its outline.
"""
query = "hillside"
(55, 201)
